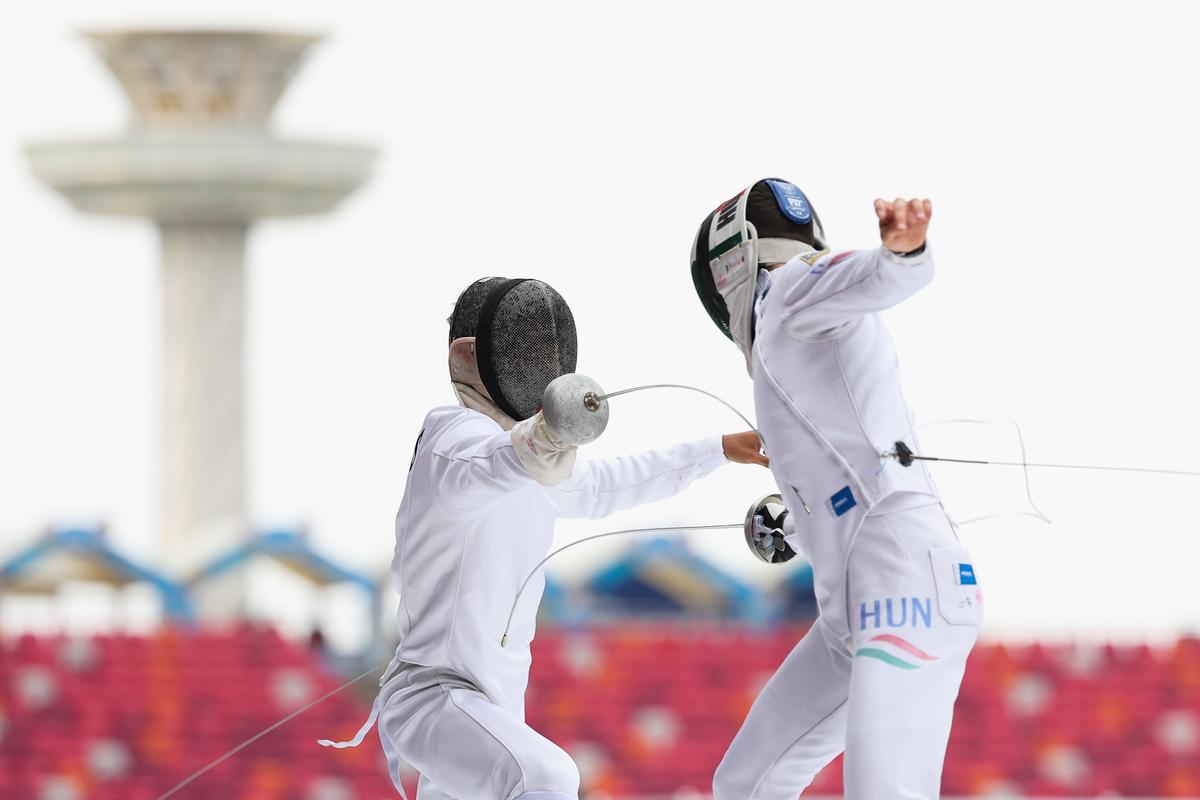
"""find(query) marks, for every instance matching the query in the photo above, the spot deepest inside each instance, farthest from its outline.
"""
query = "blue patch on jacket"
(842, 501)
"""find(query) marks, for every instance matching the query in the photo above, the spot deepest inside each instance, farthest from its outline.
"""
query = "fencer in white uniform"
(477, 516)
(900, 605)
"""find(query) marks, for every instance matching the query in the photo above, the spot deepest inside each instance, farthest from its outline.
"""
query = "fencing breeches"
(465, 746)
(887, 697)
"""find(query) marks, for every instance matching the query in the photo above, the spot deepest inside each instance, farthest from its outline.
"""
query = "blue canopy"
(83, 554)
(664, 577)
(290, 548)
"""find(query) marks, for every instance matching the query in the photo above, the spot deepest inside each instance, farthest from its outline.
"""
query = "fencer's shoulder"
(813, 264)
(825, 259)
(459, 417)
(800, 264)
(441, 417)
(447, 427)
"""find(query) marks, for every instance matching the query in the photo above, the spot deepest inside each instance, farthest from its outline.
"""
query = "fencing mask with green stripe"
(768, 223)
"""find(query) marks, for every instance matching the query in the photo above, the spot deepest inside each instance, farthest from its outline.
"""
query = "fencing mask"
(768, 223)
(524, 337)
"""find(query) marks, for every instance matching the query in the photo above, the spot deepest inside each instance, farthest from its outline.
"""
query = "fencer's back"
(827, 379)
(462, 550)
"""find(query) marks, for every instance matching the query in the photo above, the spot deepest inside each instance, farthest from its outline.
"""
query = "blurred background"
(234, 237)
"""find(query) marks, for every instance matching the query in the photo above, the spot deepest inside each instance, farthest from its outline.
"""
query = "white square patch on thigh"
(959, 597)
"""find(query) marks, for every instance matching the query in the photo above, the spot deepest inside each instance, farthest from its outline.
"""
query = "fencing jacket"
(829, 402)
(473, 524)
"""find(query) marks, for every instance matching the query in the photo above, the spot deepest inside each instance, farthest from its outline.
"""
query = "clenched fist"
(903, 223)
(744, 448)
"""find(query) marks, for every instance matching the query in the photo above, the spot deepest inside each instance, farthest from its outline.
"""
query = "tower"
(200, 161)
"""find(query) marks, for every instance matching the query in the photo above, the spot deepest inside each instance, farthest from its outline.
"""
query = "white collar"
(763, 281)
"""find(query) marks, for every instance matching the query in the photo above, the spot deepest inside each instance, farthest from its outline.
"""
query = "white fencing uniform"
(471, 526)
(878, 673)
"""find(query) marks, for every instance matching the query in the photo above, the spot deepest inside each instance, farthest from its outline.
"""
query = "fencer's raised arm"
(823, 293)
(772, 223)
(599, 487)
(836, 289)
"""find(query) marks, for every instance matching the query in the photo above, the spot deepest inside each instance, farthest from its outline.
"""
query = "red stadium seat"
(646, 709)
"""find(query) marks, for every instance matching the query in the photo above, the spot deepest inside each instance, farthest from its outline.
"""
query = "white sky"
(582, 145)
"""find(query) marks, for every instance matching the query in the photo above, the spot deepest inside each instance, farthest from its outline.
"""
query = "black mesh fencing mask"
(465, 317)
(524, 338)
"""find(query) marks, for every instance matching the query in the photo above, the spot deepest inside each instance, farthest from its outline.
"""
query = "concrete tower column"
(199, 159)
(204, 380)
